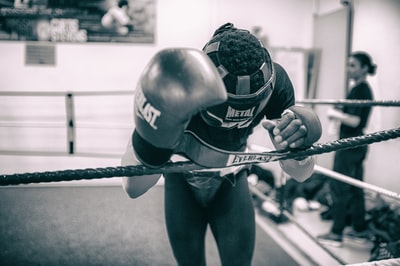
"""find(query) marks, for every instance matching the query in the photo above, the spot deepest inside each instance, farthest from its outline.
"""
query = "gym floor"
(311, 222)
(97, 225)
(100, 225)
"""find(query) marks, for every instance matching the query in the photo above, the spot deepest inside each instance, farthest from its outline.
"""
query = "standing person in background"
(353, 120)
(183, 105)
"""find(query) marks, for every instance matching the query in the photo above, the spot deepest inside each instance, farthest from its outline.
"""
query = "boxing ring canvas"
(75, 21)
(97, 225)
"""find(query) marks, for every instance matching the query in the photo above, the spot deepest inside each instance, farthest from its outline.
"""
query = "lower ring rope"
(355, 182)
(138, 170)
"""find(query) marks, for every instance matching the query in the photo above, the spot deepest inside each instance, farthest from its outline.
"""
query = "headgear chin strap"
(243, 104)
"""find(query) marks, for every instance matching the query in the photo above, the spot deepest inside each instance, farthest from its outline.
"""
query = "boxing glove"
(308, 131)
(174, 86)
(312, 123)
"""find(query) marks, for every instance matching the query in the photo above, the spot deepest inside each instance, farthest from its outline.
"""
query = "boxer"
(217, 95)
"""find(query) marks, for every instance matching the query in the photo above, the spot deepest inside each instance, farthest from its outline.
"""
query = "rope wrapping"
(139, 170)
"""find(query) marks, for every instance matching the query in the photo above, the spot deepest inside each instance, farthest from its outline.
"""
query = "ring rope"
(129, 92)
(64, 93)
(386, 103)
(355, 182)
(138, 170)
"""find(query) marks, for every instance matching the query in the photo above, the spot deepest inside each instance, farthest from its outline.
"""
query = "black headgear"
(248, 74)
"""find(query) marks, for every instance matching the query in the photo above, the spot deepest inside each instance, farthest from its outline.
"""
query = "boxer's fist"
(299, 127)
(175, 85)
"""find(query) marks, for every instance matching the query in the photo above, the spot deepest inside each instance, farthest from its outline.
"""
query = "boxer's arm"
(136, 186)
(299, 169)
(174, 86)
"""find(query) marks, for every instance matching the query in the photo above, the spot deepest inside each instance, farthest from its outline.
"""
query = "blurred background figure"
(257, 31)
(21, 3)
(353, 120)
(117, 18)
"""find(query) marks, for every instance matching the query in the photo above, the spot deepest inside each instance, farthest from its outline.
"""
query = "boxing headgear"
(246, 68)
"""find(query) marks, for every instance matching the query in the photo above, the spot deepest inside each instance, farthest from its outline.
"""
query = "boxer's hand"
(287, 131)
(299, 127)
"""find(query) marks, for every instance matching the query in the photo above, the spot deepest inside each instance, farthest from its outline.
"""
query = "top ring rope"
(386, 103)
(90, 173)
(63, 93)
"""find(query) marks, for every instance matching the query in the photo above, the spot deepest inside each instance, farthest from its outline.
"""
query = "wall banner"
(73, 21)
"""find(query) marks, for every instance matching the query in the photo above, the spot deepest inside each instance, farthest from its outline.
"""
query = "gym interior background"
(34, 136)
(82, 67)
